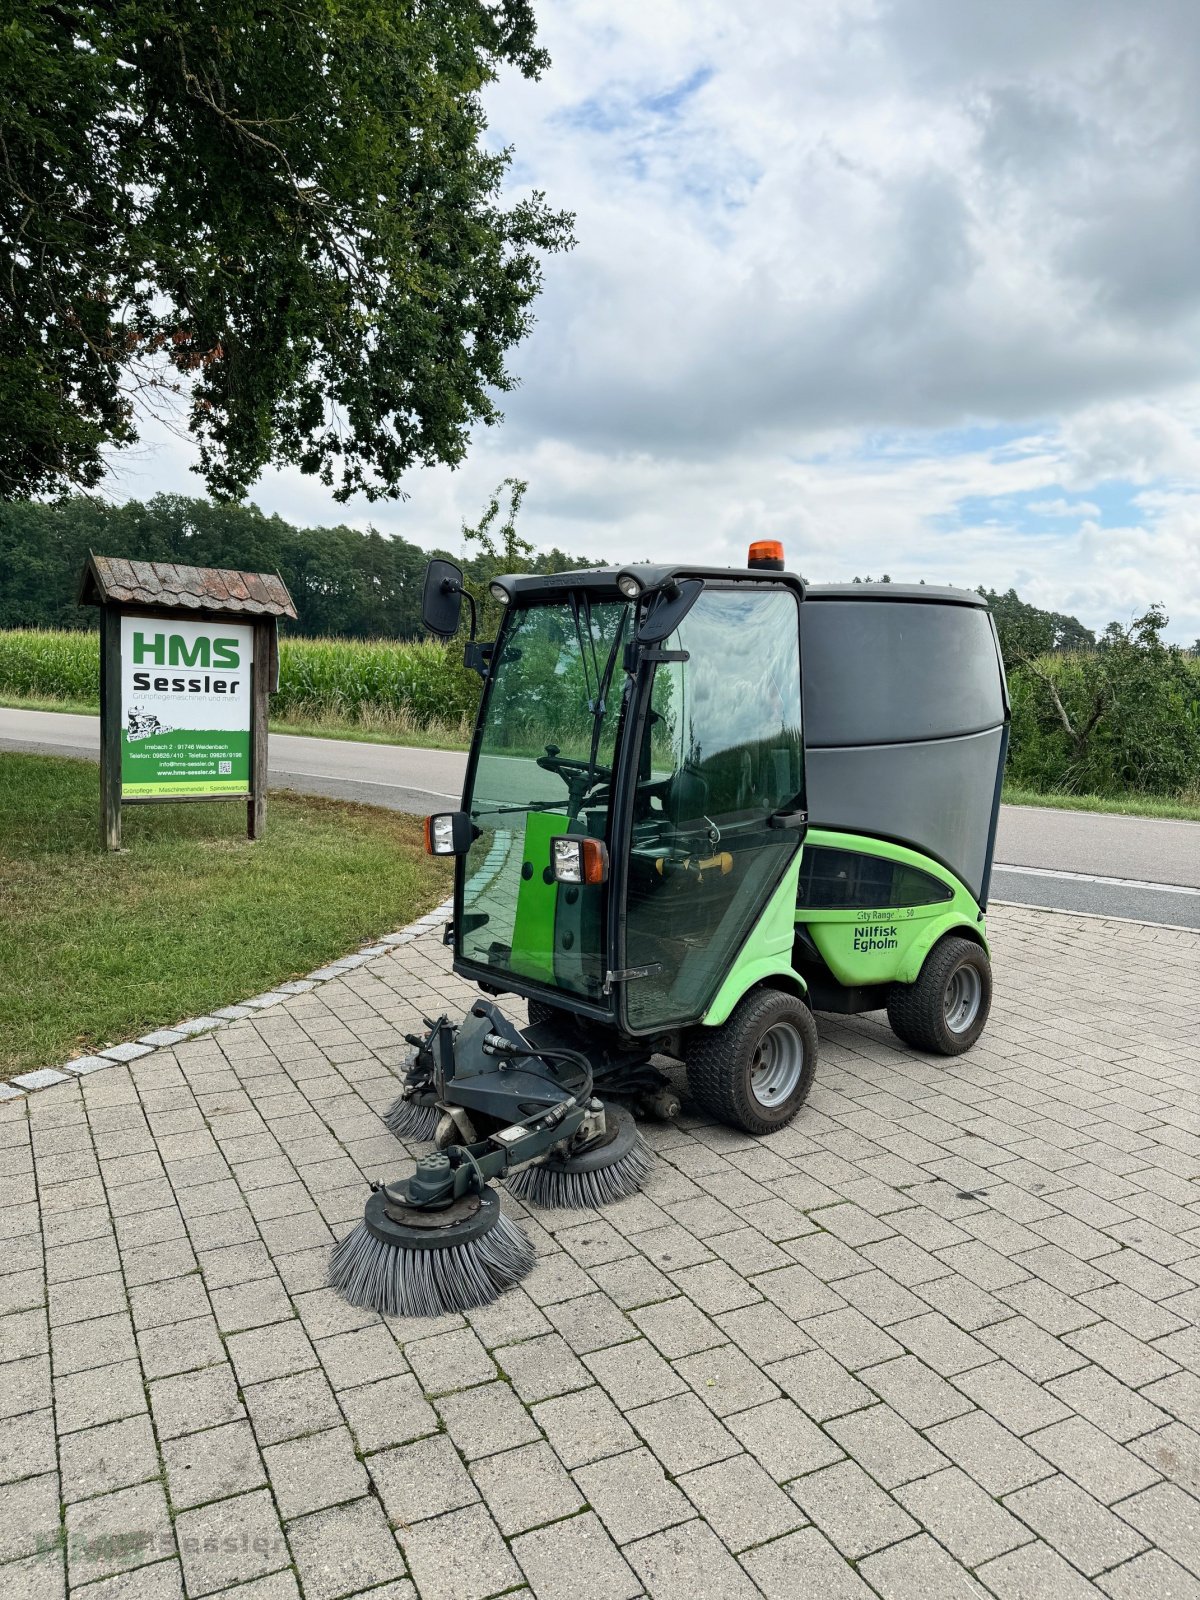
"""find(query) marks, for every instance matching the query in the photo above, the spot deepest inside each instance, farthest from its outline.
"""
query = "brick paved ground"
(937, 1339)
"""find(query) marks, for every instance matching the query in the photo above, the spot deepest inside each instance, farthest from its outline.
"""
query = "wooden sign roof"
(164, 586)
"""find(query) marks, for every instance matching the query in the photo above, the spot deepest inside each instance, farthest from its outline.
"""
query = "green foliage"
(288, 214)
(1122, 718)
(345, 583)
(1026, 630)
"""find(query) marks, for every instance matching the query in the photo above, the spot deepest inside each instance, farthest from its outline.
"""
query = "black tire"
(721, 1062)
(924, 1013)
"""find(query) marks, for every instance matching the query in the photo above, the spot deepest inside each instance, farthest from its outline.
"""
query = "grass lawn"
(97, 948)
(1132, 805)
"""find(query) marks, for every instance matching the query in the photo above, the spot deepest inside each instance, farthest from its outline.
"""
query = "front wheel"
(945, 1011)
(754, 1072)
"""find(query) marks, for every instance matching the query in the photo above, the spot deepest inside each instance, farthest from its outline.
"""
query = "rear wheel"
(946, 1009)
(754, 1072)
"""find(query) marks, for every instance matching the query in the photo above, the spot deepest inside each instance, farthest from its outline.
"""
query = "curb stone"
(118, 1054)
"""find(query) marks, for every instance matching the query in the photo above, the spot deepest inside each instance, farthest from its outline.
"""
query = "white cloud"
(854, 272)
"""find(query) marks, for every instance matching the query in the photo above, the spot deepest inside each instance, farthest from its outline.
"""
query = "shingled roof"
(160, 584)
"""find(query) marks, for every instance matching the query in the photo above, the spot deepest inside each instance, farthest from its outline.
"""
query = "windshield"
(544, 767)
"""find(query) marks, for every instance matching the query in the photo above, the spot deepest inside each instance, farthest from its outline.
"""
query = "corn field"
(377, 683)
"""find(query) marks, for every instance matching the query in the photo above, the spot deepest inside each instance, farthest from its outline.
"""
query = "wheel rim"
(778, 1064)
(964, 994)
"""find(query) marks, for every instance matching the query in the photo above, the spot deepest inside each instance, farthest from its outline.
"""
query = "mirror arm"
(457, 588)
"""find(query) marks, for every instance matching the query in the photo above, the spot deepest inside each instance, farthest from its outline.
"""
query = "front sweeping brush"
(408, 1263)
(410, 1118)
(438, 1241)
(588, 1173)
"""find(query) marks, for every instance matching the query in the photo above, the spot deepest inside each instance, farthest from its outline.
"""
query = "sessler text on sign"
(185, 706)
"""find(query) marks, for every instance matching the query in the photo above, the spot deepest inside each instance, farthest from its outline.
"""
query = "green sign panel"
(185, 707)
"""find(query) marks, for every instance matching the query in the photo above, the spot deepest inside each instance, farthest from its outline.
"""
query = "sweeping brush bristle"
(411, 1119)
(376, 1274)
(597, 1177)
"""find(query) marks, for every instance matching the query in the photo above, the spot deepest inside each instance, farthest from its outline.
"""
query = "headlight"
(449, 833)
(574, 860)
(498, 593)
(629, 585)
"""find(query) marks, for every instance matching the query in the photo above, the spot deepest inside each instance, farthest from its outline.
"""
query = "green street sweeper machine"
(699, 805)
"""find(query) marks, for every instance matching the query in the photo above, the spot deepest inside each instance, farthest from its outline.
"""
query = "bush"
(1122, 718)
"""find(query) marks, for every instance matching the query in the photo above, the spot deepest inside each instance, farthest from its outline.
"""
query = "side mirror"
(441, 601)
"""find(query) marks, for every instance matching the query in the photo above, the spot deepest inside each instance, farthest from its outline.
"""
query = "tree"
(286, 214)
(1026, 631)
(501, 550)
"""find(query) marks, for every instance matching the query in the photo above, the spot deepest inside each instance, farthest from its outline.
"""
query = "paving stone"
(726, 1380)
(364, 1356)
(683, 1433)
(915, 1391)
(687, 1561)
(27, 1445)
(541, 1368)
(422, 1479)
(30, 1521)
(273, 1352)
(212, 1464)
(1035, 1572)
(1150, 1574)
(919, 1569)
(116, 1532)
(392, 1411)
(101, 1394)
(890, 1449)
(1178, 1394)
(1118, 1411)
(525, 1488)
(962, 1516)
(632, 1495)
(195, 1400)
(460, 1556)
(989, 1453)
(1012, 1398)
(344, 1551)
(1097, 1463)
(287, 1408)
(634, 1373)
(852, 1339)
(820, 1385)
(314, 1472)
(741, 1503)
(804, 1566)
(114, 1456)
(1173, 1451)
(1170, 1520)
(763, 1332)
(584, 1427)
(1078, 1527)
(851, 1510)
(450, 1361)
(161, 1581)
(676, 1327)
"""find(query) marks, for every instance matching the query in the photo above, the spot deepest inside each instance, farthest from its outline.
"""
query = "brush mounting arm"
(447, 1175)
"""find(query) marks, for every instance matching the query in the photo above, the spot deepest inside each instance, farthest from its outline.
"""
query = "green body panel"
(887, 945)
(767, 953)
(537, 901)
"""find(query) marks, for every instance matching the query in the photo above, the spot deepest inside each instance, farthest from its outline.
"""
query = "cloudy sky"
(913, 285)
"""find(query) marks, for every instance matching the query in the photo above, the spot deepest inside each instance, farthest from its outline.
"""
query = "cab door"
(721, 766)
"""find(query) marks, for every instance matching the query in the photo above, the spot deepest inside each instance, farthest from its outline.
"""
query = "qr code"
(224, 768)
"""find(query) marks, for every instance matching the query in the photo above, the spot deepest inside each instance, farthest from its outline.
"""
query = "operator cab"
(635, 788)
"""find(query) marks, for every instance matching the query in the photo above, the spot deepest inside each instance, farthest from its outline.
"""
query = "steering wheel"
(564, 765)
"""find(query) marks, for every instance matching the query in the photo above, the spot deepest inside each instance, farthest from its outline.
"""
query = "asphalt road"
(1137, 867)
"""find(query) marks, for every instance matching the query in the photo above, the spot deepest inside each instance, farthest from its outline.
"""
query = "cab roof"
(529, 586)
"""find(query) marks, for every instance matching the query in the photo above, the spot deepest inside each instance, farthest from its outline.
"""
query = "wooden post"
(260, 681)
(111, 713)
